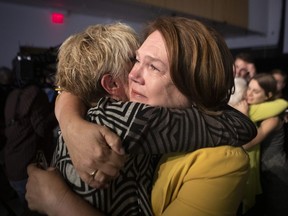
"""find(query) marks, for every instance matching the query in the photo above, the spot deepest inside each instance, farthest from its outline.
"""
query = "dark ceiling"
(124, 9)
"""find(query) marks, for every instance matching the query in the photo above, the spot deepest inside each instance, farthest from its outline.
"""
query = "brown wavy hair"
(201, 65)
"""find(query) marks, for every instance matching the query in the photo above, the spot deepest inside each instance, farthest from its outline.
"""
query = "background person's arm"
(265, 128)
(258, 112)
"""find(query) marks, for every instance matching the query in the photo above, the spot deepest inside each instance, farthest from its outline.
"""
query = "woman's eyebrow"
(151, 58)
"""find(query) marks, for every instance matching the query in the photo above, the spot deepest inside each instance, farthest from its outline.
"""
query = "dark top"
(4, 91)
(274, 173)
(29, 127)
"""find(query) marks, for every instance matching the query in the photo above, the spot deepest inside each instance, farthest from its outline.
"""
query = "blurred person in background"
(281, 77)
(6, 86)
(244, 66)
(268, 160)
(6, 192)
(244, 70)
(29, 123)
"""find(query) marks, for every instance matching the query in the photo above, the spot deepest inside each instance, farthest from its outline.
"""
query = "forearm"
(146, 129)
(266, 127)
(73, 205)
(48, 193)
(195, 130)
(249, 145)
(266, 110)
(191, 130)
(68, 109)
(68, 106)
(257, 140)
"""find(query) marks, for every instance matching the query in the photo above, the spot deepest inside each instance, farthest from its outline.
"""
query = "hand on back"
(91, 147)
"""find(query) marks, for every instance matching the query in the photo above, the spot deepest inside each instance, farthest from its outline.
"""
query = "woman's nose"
(136, 74)
(249, 93)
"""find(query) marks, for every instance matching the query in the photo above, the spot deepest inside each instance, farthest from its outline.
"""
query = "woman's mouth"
(249, 99)
(137, 96)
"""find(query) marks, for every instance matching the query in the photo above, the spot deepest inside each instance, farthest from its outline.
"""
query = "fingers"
(31, 189)
(100, 173)
(100, 149)
(112, 166)
(51, 168)
(100, 180)
(31, 168)
(112, 140)
(108, 161)
(45, 189)
(105, 172)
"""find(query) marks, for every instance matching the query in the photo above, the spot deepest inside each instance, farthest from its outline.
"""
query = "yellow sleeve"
(209, 181)
(266, 110)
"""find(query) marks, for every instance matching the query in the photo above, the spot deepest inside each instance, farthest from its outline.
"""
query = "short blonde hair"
(85, 57)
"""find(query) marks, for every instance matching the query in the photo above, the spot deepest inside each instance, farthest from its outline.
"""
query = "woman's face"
(280, 81)
(149, 79)
(255, 94)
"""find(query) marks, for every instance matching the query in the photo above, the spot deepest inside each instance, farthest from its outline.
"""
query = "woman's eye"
(153, 67)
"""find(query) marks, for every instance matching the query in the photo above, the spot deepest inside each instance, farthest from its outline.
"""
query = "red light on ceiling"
(57, 18)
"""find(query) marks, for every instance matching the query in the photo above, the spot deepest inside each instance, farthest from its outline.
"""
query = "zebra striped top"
(147, 133)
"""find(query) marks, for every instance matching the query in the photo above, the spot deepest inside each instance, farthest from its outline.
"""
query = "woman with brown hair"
(268, 160)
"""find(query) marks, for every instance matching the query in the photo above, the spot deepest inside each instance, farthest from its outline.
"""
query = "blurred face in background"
(280, 81)
(244, 69)
(255, 94)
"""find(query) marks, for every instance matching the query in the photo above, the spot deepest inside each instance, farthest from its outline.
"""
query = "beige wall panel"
(233, 12)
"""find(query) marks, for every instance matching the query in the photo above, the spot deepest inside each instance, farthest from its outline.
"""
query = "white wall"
(31, 26)
(285, 46)
(264, 17)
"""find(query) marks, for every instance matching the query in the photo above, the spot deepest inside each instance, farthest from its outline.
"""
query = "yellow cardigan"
(207, 182)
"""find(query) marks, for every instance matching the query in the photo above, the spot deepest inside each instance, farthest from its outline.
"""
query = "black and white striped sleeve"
(157, 130)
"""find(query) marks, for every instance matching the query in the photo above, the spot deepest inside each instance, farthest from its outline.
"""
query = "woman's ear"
(270, 95)
(107, 83)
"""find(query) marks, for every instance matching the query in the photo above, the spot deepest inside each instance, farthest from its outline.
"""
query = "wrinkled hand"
(91, 147)
(46, 190)
(94, 147)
